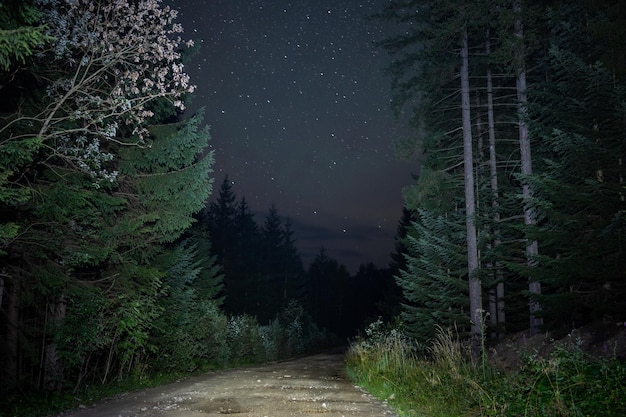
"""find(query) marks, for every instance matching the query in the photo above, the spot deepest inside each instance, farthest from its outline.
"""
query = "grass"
(443, 382)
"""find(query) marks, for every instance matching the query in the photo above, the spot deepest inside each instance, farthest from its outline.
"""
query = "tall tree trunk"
(53, 366)
(1, 288)
(532, 248)
(498, 313)
(475, 290)
(10, 350)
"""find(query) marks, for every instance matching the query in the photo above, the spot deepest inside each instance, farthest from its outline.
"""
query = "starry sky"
(299, 109)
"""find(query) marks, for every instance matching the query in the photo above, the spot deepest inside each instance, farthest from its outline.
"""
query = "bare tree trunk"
(54, 367)
(1, 288)
(11, 344)
(532, 248)
(498, 316)
(475, 290)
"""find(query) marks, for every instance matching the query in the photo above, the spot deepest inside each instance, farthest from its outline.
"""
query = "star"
(299, 110)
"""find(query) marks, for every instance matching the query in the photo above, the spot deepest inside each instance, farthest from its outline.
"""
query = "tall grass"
(442, 380)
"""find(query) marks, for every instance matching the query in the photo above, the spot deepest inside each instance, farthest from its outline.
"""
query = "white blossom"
(118, 56)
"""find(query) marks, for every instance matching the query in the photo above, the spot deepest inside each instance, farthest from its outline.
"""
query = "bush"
(445, 382)
(568, 382)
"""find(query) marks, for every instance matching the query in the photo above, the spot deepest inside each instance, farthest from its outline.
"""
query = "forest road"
(310, 386)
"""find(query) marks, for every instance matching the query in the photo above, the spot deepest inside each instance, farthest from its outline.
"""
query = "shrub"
(445, 382)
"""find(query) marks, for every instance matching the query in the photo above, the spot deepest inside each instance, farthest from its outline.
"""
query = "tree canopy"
(542, 77)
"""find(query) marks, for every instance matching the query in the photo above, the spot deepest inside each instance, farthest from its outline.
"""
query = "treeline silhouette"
(263, 270)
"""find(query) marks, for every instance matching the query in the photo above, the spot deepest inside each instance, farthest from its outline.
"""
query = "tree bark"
(532, 247)
(475, 288)
(10, 348)
(498, 312)
(53, 366)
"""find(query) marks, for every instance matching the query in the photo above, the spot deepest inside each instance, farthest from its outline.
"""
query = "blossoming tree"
(110, 59)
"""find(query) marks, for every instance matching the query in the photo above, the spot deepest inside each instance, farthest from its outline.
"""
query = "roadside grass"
(441, 380)
(39, 404)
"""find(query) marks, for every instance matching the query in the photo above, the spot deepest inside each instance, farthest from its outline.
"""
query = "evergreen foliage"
(435, 292)
(20, 33)
(328, 282)
(88, 217)
(570, 202)
(579, 190)
(261, 264)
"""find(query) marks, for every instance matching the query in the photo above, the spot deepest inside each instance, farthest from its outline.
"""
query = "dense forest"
(517, 216)
(116, 259)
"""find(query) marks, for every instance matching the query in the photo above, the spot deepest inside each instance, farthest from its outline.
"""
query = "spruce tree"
(221, 221)
(579, 186)
(91, 213)
(271, 287)
(244, 275)
(293, 271)
(327, 282)
(433, 58)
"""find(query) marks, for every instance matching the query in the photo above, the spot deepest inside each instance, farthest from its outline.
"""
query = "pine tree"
(435, 51)
(20, 34)
(327, 284)
(244, 274)
(183, 298)
(579, 186)
(209, 283)
(435, 293)
(293, 271)
(271, 286)
(221, 221)
(532, 246)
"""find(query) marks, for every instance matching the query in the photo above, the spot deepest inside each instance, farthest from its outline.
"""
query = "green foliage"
(19, 38)
(433, 283)
(576, 119)
(13, 155)
(84, 330)
(445, 383)
(171, 178)
(577, 189)
(386, 362)
(261, 264)
(566, 383)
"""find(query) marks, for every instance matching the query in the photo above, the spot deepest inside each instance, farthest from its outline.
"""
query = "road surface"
(308, 386)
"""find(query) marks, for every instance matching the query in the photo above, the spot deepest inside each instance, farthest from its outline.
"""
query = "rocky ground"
(303, 387)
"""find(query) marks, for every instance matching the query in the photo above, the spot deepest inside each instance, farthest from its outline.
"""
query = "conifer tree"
(327, 281)
(434, 51)
(221, 221)
(271, 286)
(188, 287)
(20, 33)
(532, 246)
(101, 210)
(579, 186)
(293, 271)
(435, 293)
(244, 275)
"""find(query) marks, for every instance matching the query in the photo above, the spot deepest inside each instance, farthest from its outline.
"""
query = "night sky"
(298, 104)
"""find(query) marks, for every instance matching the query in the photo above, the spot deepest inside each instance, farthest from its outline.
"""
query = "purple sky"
(298, 104)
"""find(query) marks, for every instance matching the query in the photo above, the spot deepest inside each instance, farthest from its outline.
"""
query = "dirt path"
(303, 387)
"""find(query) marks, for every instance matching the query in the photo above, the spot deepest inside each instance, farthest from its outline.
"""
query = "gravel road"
(303, 387)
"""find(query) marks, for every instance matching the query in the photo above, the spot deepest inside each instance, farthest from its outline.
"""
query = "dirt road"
(309, 386)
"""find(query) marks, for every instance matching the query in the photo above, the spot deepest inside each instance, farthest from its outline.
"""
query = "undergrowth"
(441, 380)
(217, 342)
